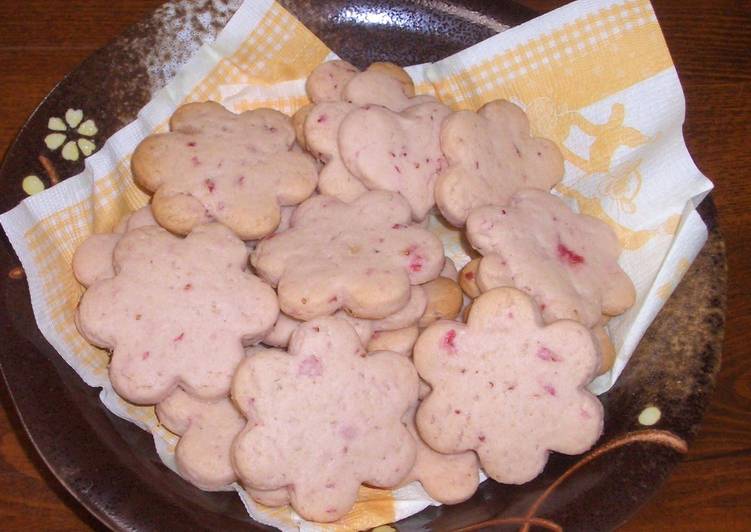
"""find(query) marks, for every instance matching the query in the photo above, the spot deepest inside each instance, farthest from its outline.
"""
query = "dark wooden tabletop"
(41, 40)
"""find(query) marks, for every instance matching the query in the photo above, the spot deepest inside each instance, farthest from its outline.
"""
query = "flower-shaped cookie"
(321, 135)
(401, 152)
(490, 156)
(176, 312)
(327, 81)
(92, 260)
(567, 262)
(216, 165)
(508, 387)
(206, 431)
(327, 418)
(448, 478)
(361, 256)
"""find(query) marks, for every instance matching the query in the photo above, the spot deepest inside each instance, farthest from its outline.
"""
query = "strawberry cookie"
(360, 256)
(92, 260)
(176, 312)
(206, 431)
(394, 151)
(508, 387)
(321, 132)
(354, 434)
(447, 478)
(567, 262)
(216, 165)
(491, 155)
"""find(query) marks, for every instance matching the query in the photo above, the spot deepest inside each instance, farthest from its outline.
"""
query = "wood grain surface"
(40, 41)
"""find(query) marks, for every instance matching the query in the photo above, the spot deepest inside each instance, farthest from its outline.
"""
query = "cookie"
(396, 72)
(354, 433)
(492, 273)
(605, 347)
(326, 82)
(270, 498)
(298, 122)
(447, 478)
(177, 312)
(360, 256)
(445, 300)
(282, 331)
(393, 151)
(566, 261)
(491, 156)
(398, 340)
(206, 431)
(216, 165)
(383, 87)
(508, 387)
(322, 133)
(468, 278)
(92, 260)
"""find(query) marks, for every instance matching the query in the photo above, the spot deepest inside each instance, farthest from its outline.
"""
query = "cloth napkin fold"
(595, 76)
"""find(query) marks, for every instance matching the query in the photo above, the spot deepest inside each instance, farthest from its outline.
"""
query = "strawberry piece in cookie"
(216, 165)
(361, 257)
(508, 387)
(176, 312)
(393, 151)
(567, 262)
(326, 419)
(490, 156)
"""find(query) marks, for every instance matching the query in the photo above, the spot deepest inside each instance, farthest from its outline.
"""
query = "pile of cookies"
(283, 304)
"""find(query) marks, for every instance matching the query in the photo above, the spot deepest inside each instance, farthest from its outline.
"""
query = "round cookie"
(360, 256)
(176, 312)
(393, 151)
(508, 387)
(354, 433)
(567, 262)
(216, 165)
(447, 478)
(206, 431)
(490, 156)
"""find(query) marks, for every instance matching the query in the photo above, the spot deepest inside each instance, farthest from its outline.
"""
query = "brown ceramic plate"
(110, 465)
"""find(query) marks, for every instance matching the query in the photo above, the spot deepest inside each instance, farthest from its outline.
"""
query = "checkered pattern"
(550, 52)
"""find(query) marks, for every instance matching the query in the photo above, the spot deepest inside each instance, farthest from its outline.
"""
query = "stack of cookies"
(284, 306)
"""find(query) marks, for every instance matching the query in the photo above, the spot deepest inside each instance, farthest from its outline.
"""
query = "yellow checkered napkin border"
(569, 60)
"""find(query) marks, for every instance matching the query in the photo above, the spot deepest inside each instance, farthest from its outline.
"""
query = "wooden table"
(40, 41)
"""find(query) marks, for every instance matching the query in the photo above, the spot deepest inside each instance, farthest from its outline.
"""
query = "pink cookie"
(508, 387)
(321, 133)
(378, 87)
(216, 165)
(400, 152)
(282, 331)
(92, 260)
(491, 155)
(360, 256)
(448, 478)
(567, 262)
(328, 419)
(398, 340)
(326, 82)
(206, 431)
(177, 312)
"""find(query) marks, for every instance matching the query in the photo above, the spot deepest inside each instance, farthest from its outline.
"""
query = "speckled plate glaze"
(110, 466)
